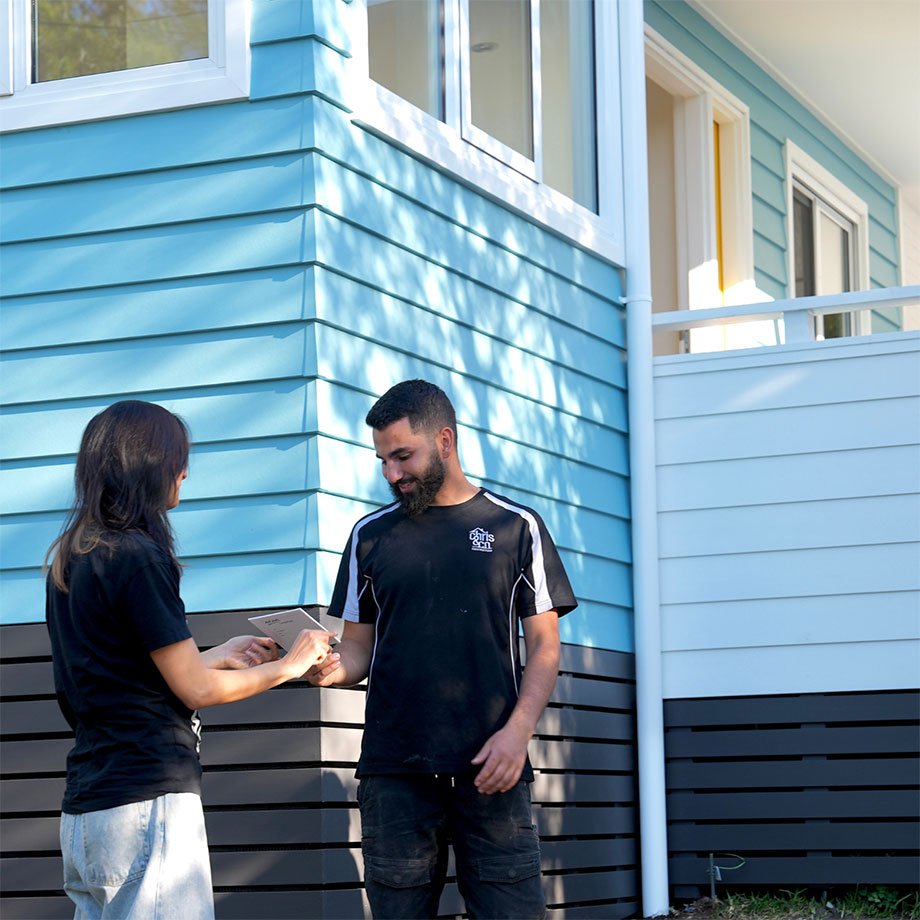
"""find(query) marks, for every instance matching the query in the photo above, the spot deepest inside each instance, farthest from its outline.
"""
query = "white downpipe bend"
(643, 491)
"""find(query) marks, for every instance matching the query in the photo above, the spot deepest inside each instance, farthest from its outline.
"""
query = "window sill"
(149, 89)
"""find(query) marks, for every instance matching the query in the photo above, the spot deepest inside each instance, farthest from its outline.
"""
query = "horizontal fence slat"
(887, 771)
(810, 835)
(281, 827)
(815, 870)
(585, 724)
(560, 820)
(347, 902)
(33, 717)
(31, 873)
(24, 640)
(296, 745)
(40, 907)
(555, 754)
(563, 855)
(597, 662)
(251, 868)
(31, 757)
(343, 705)
(32, 795)
(810, 739)
(582, 691)
(561, 788)
(774, 805)
(279, 905)
(28, 834)
(612, 911)
(291, 745)
(268, 787)
(27, 679)
(810, 707)
(589, 886)
(262, 787)
(276, 706)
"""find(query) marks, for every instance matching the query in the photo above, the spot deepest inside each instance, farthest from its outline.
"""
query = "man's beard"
(426, 488)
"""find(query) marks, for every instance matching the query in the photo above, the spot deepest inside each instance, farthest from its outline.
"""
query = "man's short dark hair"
(424, 404)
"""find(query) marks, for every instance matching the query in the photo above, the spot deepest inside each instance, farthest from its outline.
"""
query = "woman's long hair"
(130, 457)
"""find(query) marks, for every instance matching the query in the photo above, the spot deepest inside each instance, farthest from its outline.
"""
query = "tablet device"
(285, 626)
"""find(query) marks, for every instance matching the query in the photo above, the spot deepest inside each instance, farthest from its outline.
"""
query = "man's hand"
(504, 754)
(502, 758)
(241, 652)
(349, 663)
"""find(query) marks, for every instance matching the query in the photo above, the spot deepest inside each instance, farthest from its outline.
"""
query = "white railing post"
(800, 326)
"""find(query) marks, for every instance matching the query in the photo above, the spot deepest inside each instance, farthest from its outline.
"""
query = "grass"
(879, 902)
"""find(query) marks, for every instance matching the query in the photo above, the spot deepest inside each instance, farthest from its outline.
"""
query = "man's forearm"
(350, 668)
(536, 688)
(354, 662)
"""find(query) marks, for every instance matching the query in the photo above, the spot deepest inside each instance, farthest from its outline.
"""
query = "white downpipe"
(643, 492)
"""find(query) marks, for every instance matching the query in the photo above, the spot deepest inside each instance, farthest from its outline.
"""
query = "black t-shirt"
(445, 591)
(135, 739)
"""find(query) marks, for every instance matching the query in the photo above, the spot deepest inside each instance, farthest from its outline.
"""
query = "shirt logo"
(481, 540)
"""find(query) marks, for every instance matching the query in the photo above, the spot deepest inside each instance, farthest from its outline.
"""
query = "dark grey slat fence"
(815, 789)
(279, 790)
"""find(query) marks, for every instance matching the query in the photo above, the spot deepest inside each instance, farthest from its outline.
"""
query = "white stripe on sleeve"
(351, 609)
(542, 600)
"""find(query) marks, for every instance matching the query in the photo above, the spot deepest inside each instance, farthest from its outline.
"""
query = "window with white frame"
(79, 60)
(828, 230)
(517, 82)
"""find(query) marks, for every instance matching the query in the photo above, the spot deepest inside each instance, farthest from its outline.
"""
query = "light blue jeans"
(143, 861)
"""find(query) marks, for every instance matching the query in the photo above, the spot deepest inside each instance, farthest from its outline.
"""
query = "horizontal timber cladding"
(279, 790)
(806, 790)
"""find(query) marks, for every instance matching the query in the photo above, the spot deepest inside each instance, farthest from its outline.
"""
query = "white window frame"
(804, 169)
(700, 102)
(445, 146)
(221, 77)
(533, 169)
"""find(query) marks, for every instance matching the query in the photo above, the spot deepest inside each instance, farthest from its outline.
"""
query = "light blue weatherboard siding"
(775, 116)
(266, 269)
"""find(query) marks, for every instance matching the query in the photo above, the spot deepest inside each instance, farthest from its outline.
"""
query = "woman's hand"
(241, 652)
(309, 648)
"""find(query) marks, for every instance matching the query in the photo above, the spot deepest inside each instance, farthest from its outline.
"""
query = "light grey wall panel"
(790, 518)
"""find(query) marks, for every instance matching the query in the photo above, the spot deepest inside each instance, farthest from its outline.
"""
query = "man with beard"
(432, 590)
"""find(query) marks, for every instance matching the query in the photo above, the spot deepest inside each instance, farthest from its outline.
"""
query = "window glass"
(834, 268)
(500, 72)
(822, 247)
(804, 246)
(835, 261)
(73, 38)
(528, 102)
(567, 69)
(404, 50)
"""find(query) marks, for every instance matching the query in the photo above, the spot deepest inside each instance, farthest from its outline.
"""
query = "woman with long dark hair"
(129, 676)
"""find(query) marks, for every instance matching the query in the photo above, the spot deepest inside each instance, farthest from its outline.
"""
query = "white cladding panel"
(789, 492)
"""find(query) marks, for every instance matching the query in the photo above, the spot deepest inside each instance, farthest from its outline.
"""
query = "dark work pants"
(407, 823)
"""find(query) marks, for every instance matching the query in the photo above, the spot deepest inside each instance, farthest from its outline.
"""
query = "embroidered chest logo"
(481, 540)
